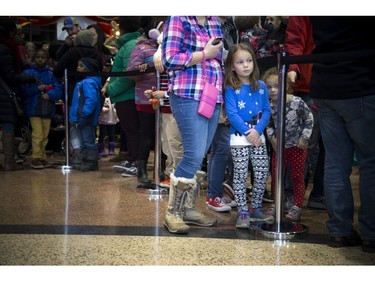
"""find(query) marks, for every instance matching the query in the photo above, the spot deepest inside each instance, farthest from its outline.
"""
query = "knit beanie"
(84, 38)
(92, 65)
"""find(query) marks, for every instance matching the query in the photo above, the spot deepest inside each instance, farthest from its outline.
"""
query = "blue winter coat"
(86, 103)
(30, 93)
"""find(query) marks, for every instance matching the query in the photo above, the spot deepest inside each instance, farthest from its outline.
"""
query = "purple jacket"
(143, 53)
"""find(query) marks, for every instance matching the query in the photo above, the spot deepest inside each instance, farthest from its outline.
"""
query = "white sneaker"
(122, 167)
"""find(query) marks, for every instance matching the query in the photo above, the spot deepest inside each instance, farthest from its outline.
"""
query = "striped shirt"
(182, 36)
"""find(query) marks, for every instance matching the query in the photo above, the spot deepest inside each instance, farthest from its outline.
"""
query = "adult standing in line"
(72, 27)
(186, 46)
(121, 90)
(299, 41)
(10, 72)
(344, 92)
(83, 48)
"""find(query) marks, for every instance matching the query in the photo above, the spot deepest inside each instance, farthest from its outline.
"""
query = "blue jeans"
(196, 132)
(83, 138)
(348, 126)
(217, 163)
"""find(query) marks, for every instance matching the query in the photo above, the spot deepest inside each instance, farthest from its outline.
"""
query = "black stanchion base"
(284, 231)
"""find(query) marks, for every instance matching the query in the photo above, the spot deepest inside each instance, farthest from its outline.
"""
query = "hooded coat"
(123, 88)
(86, 103)
(31, 94)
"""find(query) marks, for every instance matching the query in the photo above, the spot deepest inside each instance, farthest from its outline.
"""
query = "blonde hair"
(230, 77)
(273, 71)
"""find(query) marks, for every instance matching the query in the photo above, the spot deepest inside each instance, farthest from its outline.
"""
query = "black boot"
(90, 160)
(76, 159)
(162, 166)
(142, 171)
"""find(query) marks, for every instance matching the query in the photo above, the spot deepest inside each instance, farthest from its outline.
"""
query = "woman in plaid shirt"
(187, 43)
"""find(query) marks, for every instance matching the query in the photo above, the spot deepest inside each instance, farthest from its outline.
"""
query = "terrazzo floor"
(67, 217)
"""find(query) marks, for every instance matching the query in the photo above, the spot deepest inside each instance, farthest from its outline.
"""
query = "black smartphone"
(217, 40)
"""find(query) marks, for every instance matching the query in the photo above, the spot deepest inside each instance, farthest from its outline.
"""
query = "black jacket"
(70, 60)
(12, 79)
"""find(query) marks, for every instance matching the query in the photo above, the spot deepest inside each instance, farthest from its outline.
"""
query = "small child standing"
(107, 127)
(107, 118)
(83, 117)
(299, 123)
(248, 110)
(36, 98)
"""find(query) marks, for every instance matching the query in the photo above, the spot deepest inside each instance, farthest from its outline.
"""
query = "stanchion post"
(155, 192)
(280, 133)
(66, 115)
(157, 138)
(279, 230)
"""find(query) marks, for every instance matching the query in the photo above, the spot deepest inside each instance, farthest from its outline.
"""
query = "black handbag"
(13, 97)
(44, 108)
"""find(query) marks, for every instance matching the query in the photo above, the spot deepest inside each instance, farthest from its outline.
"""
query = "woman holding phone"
(186, 46)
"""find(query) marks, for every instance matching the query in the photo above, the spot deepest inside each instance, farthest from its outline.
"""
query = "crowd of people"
(329, 110)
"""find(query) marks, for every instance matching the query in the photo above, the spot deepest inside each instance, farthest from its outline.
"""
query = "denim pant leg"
(75, 137)
(347, 125)
(196, 132)
(220, 151)
(88, 138)
(318, 181)
(361, 129)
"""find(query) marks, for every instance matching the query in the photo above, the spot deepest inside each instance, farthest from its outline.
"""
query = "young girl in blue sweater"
(248, 110)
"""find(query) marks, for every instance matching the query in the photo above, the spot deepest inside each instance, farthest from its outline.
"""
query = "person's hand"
(158, 64)
(82, 122)
(42, 88)
(44, 96)
(69, 40)
(273, 142)
(104, 89)
(148, 94)
(158, 94)
(292, 76)
(302, 143)
(211, 51)
(253, 136)
(226, 122)
(142, 67)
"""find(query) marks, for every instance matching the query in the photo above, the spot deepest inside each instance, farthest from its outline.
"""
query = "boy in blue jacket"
(84, 116)
(39, 106)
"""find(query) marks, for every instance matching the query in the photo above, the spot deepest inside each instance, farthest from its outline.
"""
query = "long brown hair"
(230, 77)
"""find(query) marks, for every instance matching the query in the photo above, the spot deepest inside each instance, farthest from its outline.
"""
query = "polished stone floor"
(56, 216)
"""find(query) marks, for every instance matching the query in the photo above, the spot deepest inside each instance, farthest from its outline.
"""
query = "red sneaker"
(217, 204)
(165, 183)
